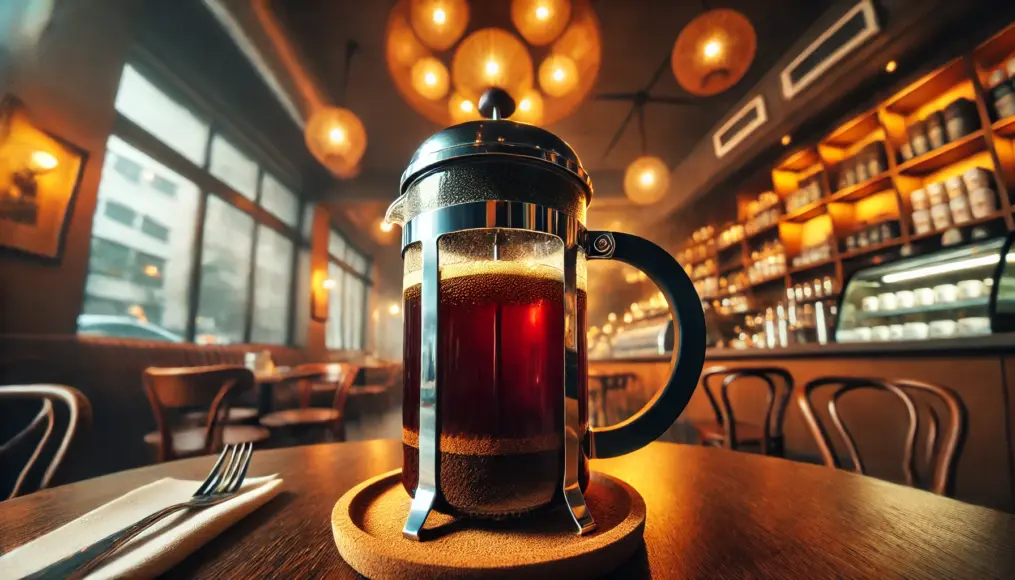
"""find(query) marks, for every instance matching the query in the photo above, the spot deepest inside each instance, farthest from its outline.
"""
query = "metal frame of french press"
(427, 229)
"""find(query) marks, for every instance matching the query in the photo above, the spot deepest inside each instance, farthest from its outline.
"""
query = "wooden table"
(266, 382)
(712, 513)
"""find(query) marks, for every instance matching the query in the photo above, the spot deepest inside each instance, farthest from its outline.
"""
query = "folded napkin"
(157, 549)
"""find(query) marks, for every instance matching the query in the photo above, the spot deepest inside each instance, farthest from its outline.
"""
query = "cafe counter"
(980, 369)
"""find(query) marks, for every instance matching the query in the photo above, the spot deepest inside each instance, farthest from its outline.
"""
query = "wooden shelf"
(766, 281)
(735, 244)
(731, 267)
(861, 190)
(973, 222)
(809, 211)
(813, 298)
(811, 266)
(800, 161)
(1005, 127)
(927, 88)
(763, 231)
(946, 155)
(870, 249)
(853, 130)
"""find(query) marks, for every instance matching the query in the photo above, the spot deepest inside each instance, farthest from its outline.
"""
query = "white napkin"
(157, 549)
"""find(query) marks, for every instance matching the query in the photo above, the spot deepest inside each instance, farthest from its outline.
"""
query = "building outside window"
(170, 249)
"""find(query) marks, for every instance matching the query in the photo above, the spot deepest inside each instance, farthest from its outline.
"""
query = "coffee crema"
(500, 352)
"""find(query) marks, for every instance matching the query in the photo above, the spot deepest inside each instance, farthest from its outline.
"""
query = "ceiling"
(638, 36)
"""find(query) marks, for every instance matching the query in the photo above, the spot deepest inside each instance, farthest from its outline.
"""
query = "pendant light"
(713, 52)
(647, 178)
(335, 135)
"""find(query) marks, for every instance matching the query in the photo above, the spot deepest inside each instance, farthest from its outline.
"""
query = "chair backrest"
(194, 387)
(341, 375)
(79, 413)
(941, 458)
(616, 381)
(779, 385)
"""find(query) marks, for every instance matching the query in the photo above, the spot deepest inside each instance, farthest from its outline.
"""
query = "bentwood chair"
(173, 392)
(730, 433)
(79, 415)
(939, 456)
(609, 382)
(304, 419)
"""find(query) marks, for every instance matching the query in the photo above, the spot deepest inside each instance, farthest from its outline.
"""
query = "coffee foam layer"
(534, 270)
(461, 445)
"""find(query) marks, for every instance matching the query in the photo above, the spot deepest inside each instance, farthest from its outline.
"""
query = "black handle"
(685, 306)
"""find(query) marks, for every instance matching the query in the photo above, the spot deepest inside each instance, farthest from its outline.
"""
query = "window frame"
(208, 185)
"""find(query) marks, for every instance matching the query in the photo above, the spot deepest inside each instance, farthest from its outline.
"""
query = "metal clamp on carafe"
(495, 417)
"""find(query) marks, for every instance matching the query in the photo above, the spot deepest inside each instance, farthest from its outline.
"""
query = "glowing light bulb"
(439, 16)
(648, 178)
(328, 284)
(492, 68)
(559, 74)
(430, 79)
(891, 66)
(786, 140)
(466, 106)
(151, 271)
(386, 226)
(713, 48)
(394, 309)
(336, 135)
(525, 106)
(43, 161)
(542, 13)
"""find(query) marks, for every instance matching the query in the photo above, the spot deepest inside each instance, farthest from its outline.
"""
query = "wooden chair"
(726, 431)
(79, 414)
(302, 420)
(941, 459)
(390, 373)
(182, 389)
(610, 382)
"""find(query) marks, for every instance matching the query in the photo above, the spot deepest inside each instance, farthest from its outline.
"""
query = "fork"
(222, 483)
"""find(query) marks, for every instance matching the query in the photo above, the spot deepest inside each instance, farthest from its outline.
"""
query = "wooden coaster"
(367, 523)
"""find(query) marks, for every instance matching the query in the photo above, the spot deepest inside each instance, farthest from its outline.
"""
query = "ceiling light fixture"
(334, 135)
(891, 66)
(786, 140)
(386, 226)
(430, 78)
(439, 23)
(713, 52)
(427, 40)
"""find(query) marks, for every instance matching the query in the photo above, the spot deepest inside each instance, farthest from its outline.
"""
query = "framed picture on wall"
(39, 177)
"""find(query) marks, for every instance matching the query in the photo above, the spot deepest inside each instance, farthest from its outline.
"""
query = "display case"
(650, 336)
(950, 293)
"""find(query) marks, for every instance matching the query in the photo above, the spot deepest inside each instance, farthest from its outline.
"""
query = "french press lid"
(493, 136)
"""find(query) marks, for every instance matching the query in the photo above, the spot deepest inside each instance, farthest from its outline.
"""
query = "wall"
(67, 80)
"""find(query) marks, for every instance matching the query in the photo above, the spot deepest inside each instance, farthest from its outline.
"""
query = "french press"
(494, 246)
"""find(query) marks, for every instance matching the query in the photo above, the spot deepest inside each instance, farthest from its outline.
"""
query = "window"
(336, 246)
(147, 275)
(225, 274)
(120, 250)
(272, 283)
(109, 258)
(127, 168)
(119, 212)
(334, 337)
(147, 269)
(280, 201)
(163, 185)
(154, 111)
(233, 167)
(347, 303)
(154, 229)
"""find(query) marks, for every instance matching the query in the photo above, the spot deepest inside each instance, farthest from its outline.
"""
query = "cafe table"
(712, 513)
(266, 381)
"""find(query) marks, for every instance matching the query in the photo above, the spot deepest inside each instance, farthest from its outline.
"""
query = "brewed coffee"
(500, 386)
